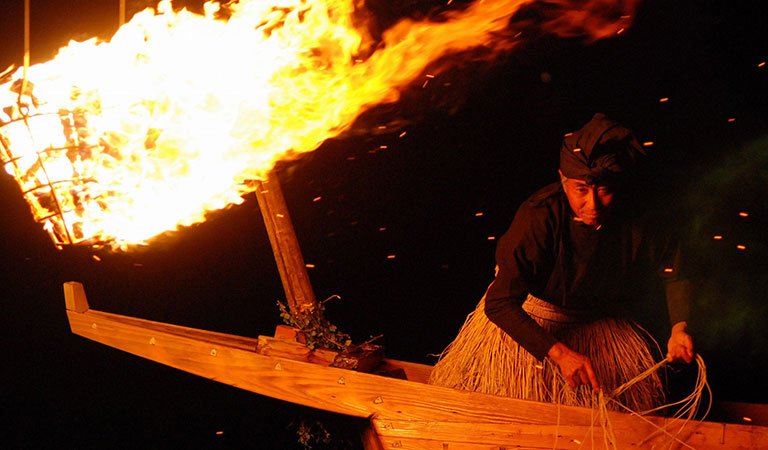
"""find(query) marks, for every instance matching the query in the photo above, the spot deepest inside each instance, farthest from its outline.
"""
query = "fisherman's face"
(591, 203)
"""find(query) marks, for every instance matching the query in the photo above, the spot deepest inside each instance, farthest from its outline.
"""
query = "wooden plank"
(286, 333)
(700, 435)
(149, 327)
(293, 350)
(491, 434)
(285, 246)
(232, 360)
(432, 444)
(743, 436)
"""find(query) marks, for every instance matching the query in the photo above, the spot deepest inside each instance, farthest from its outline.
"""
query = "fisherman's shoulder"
(543, 206)
(548, 198)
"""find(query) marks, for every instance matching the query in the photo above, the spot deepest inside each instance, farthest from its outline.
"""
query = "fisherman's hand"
(575, 367)
(680, 345)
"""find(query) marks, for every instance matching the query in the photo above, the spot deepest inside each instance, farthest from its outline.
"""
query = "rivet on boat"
(152, 341)
(213, 352)
(378, 400)
(397, 444)
(278, 366)
(342, 380)
(94, 326)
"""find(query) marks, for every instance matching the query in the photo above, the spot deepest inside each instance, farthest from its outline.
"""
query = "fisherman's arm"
(680, 344)
(678, 293)
(520, 256)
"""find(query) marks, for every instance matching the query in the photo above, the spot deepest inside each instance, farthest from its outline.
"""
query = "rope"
(690, 406)
(637, 379)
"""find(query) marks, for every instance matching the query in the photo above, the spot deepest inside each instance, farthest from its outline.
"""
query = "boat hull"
(404, 413)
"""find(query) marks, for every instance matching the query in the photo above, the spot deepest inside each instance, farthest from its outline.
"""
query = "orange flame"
(114, 143)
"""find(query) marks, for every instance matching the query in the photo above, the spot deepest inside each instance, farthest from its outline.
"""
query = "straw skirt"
(484, 358)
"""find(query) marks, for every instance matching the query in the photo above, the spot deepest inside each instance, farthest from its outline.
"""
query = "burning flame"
(115, 142)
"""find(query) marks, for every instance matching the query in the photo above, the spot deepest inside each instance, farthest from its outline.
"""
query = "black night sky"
(478, 140)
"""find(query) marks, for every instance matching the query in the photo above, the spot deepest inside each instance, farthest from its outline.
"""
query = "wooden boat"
(404, 411)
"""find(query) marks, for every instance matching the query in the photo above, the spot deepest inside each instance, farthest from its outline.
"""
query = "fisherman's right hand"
(575, 367)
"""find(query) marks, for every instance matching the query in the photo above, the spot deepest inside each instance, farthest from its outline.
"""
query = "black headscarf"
(599, 151)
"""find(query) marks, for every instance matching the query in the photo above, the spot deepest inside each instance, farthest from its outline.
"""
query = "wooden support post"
(74, 297)
(285, 246)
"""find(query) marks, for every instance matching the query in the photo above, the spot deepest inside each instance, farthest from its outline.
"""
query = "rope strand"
(690, 406)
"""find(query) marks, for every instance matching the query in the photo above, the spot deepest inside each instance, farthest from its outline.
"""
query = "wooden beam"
(285, 246)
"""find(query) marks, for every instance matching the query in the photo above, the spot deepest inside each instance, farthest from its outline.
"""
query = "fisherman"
(556, 323)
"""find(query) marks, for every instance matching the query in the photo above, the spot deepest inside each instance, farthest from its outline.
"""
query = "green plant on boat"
(314, 329)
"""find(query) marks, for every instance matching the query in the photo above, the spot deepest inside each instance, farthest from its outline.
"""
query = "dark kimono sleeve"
(521, 259)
